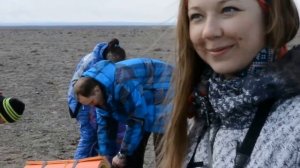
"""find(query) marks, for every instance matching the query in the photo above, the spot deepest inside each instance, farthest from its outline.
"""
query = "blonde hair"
(282, 23)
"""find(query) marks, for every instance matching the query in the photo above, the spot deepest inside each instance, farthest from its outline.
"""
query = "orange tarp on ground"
(92, 162)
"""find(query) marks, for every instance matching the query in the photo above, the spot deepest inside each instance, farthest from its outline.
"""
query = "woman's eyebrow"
(224, 1)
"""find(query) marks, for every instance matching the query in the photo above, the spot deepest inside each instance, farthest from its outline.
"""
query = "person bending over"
(131, 92)
(84, 114)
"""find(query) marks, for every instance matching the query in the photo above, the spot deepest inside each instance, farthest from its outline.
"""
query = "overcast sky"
(89, 11)
(86, 11)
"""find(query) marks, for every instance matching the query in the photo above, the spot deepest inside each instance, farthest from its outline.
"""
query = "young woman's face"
(95, 99)
(113, 57)
(226, 34)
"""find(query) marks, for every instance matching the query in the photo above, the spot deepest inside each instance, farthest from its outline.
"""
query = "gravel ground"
(36, 64)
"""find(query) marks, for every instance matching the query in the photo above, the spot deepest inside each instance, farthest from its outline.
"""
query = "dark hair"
(115, 49)
(86, 86)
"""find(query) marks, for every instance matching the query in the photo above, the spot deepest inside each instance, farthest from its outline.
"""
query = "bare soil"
(36, 64)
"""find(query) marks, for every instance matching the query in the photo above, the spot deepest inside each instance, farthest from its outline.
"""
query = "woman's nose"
(212, 28)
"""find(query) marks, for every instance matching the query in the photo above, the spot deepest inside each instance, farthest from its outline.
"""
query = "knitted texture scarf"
(233, 102)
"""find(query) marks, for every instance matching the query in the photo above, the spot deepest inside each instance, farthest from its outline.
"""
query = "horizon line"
(9, 24)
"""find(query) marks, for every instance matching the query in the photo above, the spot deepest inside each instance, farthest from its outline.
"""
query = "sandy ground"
(36, 65)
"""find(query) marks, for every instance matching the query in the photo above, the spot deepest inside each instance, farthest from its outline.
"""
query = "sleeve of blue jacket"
(135, 104)
(107, 133)
(133, 136)
(87, 145)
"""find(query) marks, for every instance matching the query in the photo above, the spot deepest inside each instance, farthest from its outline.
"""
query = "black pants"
(137, 159)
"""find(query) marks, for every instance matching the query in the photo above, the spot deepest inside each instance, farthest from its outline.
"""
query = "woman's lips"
(219, 51)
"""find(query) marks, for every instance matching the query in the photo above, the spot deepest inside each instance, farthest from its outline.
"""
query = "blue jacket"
(86, 118)
(135, 90)
(85, 63)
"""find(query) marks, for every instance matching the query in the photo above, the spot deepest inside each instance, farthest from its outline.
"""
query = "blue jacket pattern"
(86, 118)
(85, 63)
(135, 90)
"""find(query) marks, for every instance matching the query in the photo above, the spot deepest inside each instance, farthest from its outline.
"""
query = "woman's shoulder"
(287, 112)
(292, 103)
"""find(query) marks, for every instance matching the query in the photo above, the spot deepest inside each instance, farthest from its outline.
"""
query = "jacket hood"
(104, 73)
(288, 69)
(99, 51)
(281, 78)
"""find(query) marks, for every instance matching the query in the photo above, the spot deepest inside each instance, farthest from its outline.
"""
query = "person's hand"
(108, 158)
(118, 161)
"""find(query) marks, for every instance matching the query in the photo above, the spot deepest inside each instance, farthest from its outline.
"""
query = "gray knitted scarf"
(232, 102)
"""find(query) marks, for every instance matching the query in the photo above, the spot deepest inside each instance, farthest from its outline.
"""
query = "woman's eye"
(230, 10)
(195, 17)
